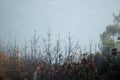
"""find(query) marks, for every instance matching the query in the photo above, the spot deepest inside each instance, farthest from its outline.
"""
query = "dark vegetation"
(45, 60)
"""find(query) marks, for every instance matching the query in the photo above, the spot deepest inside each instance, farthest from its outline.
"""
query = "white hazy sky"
(85, 19)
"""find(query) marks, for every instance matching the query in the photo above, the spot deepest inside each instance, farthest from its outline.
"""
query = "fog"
(84, 19)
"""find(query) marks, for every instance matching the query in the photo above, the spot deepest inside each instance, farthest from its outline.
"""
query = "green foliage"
(110, 36)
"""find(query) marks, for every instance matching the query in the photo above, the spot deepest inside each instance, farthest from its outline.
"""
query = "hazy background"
(85, 19)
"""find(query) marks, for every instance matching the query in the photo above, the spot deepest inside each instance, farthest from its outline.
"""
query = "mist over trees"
(52, 60)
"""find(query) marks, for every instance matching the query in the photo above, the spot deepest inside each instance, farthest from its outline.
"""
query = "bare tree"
(34, 46)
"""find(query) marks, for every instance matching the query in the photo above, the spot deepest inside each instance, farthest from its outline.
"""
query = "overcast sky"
(85, 19)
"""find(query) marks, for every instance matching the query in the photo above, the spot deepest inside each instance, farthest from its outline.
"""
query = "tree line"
(43, 59)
